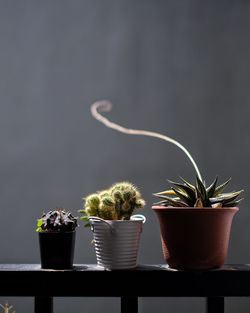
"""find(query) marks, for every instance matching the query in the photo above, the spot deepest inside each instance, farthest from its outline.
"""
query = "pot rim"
(122, 221)
(134, 218)
(56, 232)
(192, 209)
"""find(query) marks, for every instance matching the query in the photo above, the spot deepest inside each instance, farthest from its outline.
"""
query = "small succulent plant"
(185, 194)
(7, 308)
(116, 203)
(57, 220)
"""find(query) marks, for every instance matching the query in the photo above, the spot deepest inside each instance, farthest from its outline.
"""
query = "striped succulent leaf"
(185, 194)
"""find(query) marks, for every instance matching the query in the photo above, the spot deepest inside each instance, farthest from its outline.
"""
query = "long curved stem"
(105, 106)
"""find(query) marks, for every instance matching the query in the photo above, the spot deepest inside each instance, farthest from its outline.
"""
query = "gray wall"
(178, 67)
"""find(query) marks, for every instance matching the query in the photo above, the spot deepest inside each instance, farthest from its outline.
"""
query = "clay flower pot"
(195, 238)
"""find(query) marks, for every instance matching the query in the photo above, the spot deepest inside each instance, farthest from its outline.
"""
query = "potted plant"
(195, 220)
(116, 231)
(195, 223)
(56, 230)
(7, 308)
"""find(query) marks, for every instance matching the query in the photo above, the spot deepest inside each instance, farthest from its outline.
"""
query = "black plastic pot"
(57, 249)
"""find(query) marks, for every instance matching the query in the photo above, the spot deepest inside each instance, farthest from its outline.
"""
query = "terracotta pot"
(195, 238)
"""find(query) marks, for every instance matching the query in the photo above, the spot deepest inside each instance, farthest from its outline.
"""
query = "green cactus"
(92, 203)
(116, 203)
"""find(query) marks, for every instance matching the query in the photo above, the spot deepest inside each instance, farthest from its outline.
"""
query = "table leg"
(43, 305)
(129, 305)
(215, 305)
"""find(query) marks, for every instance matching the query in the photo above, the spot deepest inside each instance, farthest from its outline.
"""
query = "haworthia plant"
(7, 308)
(197, 195)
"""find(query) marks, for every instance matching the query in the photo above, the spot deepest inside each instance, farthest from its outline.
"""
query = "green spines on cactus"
(140, 203)
(93, 200)
(116, 203)
(103, 193)
(92, 203)
(91, 210)
(117, 195)
(108, 201)
(107, 212)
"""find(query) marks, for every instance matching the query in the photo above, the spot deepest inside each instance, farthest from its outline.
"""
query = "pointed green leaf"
(233, 204)
(165, 192)
(211, 188)
(201, 192)
(39, 222)
(226, 197)
(221, 187)
(160, 202)
(187, 183)
(184, 197)
(173, 201)
(186, 190)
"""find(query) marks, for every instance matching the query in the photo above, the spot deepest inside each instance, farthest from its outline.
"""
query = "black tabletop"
(144, 281)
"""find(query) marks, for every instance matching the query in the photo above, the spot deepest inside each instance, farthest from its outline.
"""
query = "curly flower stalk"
(106, 106)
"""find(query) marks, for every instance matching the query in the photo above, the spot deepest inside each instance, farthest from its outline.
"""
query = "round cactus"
(107, 212)
(116, 203)
(93, 200)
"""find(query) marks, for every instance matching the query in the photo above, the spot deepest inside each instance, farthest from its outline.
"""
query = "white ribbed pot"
(117, 241)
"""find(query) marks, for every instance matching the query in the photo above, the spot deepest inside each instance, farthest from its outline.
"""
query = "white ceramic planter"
(116, 241)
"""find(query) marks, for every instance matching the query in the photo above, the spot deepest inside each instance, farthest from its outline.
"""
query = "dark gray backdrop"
(177, 67)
